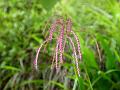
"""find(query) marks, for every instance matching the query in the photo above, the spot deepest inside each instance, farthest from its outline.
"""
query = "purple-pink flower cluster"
(65, 33)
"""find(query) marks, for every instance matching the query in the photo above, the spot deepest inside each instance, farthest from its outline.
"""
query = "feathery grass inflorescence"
(65, 32)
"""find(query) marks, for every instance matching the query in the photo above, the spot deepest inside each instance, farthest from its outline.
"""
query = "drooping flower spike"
(64, 34)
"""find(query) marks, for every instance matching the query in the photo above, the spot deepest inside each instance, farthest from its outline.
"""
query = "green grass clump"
(24, 26)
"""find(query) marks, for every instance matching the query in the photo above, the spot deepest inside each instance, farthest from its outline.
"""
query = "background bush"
(24, 25)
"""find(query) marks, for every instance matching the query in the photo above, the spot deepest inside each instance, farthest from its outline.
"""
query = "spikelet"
(74, 52)
(78, 44)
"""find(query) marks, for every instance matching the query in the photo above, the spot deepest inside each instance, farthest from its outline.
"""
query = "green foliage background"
(24, 25)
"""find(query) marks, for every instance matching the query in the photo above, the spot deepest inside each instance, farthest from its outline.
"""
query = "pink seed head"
(68, 26)
(61, 42)
(78, 44)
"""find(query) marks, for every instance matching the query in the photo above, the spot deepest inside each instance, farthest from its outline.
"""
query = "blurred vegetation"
(24, 25)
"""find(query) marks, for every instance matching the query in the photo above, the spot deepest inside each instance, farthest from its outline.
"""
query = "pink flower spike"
(65, 32)
(78, 44)
(61, 44)
(52, 29)
(74, 51)
(36, 58)
(56, 55)
(68, 26)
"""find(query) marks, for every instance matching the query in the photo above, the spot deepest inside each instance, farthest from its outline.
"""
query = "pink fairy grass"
(38, 51)
(56, 56)
(53, 28)
(78, 44)
(74, 51)
(69, 29)
(61, 43)
(68, 26)
(59, 21)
